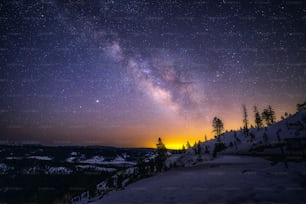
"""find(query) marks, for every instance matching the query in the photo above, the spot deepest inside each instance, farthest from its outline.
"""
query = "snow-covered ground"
(228, 179)
(119, 160)
(238, 142)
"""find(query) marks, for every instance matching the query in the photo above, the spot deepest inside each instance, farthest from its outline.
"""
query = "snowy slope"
(291, 127)
(228, 179)
(236, 142)
(230, 176)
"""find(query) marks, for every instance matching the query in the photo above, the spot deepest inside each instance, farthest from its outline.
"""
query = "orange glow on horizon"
(176, 146)
(173, 129)
(175, 138)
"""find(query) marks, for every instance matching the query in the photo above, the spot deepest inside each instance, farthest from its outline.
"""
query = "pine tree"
(301, 107)
(268, 115)
(199, 148)
(272, 115)
(217, 126)
(245, 120)
(188, 145)
(183, 148)
(195, 148)
(161, 154)
(258, 120)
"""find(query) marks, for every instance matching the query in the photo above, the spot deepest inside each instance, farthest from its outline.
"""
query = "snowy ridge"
(94, 160)
(40, 158)
(119, 160)
(237, 142)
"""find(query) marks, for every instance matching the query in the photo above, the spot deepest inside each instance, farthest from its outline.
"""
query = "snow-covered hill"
(237, 173)
(287, 137)
(227, 179)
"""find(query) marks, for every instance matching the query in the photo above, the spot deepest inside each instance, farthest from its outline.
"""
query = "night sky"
(124, 73)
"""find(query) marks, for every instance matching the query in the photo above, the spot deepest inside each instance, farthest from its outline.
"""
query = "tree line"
(266, 117)
(263, 118)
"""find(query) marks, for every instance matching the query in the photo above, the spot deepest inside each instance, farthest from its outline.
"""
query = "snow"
(3, 168)
(58, 170)
(173, 159)
(233, 179)
(231, 176)
(101, 186)
(40, 158)
(73, 153)
(71, 159)
(32, 170)
(94, 160)
(150, 157)
(14, 158)
(119, 160)
(287, 128)
(231, 159)
(130, 170)
(125, 155)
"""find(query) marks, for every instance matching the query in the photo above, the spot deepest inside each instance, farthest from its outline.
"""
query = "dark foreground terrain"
(43, 174)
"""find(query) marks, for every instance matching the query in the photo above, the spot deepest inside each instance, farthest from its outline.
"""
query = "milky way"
(157, 76)
(159, 79)
(125, 73)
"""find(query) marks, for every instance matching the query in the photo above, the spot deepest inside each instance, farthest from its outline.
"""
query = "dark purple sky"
(126, 72)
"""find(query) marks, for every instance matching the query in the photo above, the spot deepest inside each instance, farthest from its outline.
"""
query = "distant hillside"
(286, 137)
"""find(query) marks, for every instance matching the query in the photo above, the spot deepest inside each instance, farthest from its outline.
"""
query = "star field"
(127, 72)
